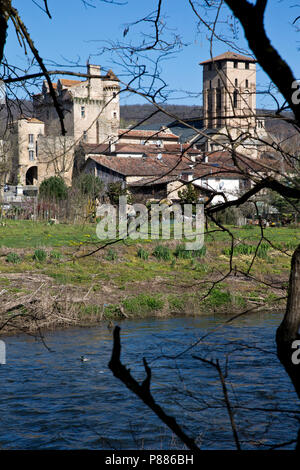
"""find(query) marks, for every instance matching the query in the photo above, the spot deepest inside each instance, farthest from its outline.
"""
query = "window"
(31, 155)
(247, 84)
(247, 65)
(210, 84)
(219, 82)
(82, 111)
(209, 102)
(115, 115)
(97, 132)
(30, 138)
(235, 65)
(236, 82)
(218, 98)
(114, 94)
(36, 149)
(85, 136)
(235, 99)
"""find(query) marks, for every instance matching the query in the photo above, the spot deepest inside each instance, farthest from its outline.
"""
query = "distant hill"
(135, 113)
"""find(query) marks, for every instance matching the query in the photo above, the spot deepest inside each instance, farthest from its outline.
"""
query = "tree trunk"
(288, 331)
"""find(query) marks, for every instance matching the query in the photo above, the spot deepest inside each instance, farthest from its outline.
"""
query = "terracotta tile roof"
(69, 83)
(31, 119)
(229, 56)
(95, 148)
(207, 171)
(147, 134)
(35, 120)
(132, 148)
(151, 150)
(265, 164)
(145, 166)
(154, 181)
(111, 76)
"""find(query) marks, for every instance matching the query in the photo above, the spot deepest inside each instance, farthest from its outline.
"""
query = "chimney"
(93, 70)
(94, 84)
(111, 146)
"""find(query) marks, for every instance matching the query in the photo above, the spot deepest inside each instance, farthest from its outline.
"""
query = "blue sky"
(77, 33)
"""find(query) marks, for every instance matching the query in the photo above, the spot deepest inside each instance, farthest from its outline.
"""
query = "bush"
(13, 258)
(143, 303)
(188, 195)
(55, 255)
(162, 253)
(218, 298)
(53, 188)
(181, 253)
(244, 249)
(40, 255)
(143, 254)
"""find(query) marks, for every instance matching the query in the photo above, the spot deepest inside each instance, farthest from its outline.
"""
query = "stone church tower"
(229, 92)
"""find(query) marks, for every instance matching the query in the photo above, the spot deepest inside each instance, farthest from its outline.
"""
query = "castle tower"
(229, 91)
(91, 107)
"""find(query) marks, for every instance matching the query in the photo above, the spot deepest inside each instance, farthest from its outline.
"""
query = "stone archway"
(31, 176)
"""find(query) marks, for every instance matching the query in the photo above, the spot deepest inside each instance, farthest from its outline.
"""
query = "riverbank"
(48, 278)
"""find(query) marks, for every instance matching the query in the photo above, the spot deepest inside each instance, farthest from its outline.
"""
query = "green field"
(143, 277)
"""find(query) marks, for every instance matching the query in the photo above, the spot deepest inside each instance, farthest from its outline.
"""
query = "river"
(53, 400)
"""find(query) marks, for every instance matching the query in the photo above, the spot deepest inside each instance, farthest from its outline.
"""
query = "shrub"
(53, 188)
(13, 258)
(218, 298)
(143, 303)
(188, 195)
(181, 252)
(162, 253)
(40, 255)
(55, 255)
(143, 254)
(244, 249)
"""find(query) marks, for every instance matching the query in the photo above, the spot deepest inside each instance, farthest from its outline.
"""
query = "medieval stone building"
(91, 111)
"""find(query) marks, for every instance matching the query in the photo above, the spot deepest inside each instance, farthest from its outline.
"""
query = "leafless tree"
(158, 43)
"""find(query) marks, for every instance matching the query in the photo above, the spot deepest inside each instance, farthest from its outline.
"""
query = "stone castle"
(91, 111)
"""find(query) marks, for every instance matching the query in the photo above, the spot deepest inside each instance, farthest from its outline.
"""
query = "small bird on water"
(83, 359)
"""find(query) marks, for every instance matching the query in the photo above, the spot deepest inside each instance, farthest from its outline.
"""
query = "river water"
(53, 400)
